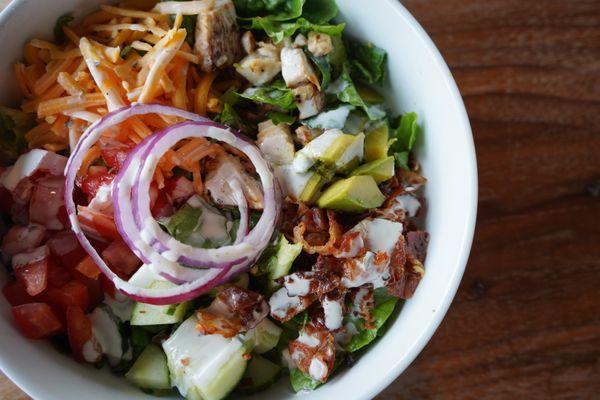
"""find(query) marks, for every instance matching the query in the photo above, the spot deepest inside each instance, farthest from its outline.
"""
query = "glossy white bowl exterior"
(420, 81)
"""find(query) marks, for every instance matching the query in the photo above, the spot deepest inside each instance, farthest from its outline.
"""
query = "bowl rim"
(385, 378)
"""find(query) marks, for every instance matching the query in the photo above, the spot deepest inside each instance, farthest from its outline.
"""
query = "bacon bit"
(249, 306)
(363, 302)
(389, 210)
(316, 283)
(285, 307)
(416, 245)
(234, 310)
(314, 346)
(404, 282)
(312, 222)
(351, 245)
(381, 258)
(211, 324)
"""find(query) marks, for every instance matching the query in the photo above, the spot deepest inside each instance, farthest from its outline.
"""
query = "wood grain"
(526, 320)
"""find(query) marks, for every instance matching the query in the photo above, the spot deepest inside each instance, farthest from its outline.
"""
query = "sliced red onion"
(250, 246)
(242, 203)
(177, 294)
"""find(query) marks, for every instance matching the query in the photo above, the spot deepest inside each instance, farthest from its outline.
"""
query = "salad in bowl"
(208, 196)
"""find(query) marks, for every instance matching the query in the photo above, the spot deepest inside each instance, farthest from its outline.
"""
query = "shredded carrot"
(49, 78)
(70, 85)
(19, 69)
(202, 91)
(197, 178)
(132, 13)
(31, 54)
(61, 104)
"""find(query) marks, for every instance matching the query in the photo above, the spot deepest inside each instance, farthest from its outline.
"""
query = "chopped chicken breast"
(309, 100)
(296, 69)
(217, 36)
(261, 66)
(275, 142)
(230, 169)
(319, 44)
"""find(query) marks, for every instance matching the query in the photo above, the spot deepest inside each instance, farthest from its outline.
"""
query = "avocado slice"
(376, 143)
(354, 194)
(345, 152)
(312, 189)
(380, 170)
(369, 94)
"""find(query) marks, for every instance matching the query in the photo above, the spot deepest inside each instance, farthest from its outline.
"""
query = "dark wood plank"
(526, 320)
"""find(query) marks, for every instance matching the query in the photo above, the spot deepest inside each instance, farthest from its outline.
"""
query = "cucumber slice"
(260, 374)
(147, 314)
(150, 370)
(263, 337)
(204, 367)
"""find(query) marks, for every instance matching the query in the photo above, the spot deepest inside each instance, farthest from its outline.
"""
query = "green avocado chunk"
(376, 143)
(380, 170)
(312, 188)
(354, 194)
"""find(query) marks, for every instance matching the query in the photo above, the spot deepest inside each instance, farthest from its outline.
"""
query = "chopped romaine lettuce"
(324, 68)
(275, 95)
(319, 11)
(276, 10)
(278, 118)
(201, 227)
(384, 306)
(404, 137)
(59, 34)
(346, 92)
(280, 30)
(231, 118)
(14, 124)
(368, 62)
(301, 381)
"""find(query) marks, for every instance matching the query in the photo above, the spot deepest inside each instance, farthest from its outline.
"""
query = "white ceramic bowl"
(420, 81)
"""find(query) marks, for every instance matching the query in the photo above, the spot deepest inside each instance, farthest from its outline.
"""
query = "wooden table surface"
(525, 323)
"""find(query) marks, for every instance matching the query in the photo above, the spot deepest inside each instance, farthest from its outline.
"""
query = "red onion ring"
(184, 292)
(250, 246)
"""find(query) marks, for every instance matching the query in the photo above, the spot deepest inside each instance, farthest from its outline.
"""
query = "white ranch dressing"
(332, 119)
(106, 331)
(308, 155)
(332, 310)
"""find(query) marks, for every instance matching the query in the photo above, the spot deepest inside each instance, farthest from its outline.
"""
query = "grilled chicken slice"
(218, 36)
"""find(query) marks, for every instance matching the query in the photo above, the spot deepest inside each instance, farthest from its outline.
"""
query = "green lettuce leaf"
(280, 30)
(63, 20)
(404, 137)
(322, 64)
(14, 124)
(230, 117)
(276, 261)
(319, 11)
(368, 62)
(187, 223)
(276, 10)
(301, 381)
(276, 95)
(346, 92)
(384, 306)
(278, 118)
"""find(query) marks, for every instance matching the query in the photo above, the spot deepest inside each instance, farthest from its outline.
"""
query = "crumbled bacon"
(405, 280)
(363, 302)
(416, 245)
(234, 310)
(250, 306)
(351, 245)
(313, 352)
(316, 283)
(285, 307)
(315, 235)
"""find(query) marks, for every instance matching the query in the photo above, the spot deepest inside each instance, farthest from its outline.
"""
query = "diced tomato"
(79, 329)
(179, 189)
(34, 276)
(21, 239)
(66, 249)
(88, 267)
(73, 293)
(108, 286)
(47, 206)
(57, 275)
(31, 269)
(36, 320)
(162, 207)
(120, 258)
(5, 200)
(94, 287)
(16, 294)
(91, 182)
(96, 224)
(114, 155)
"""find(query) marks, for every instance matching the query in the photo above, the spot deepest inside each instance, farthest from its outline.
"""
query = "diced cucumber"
(260, 374)
(263, 337)
(284, 258)
(148, 314)
(150, 370)
(204, 367)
